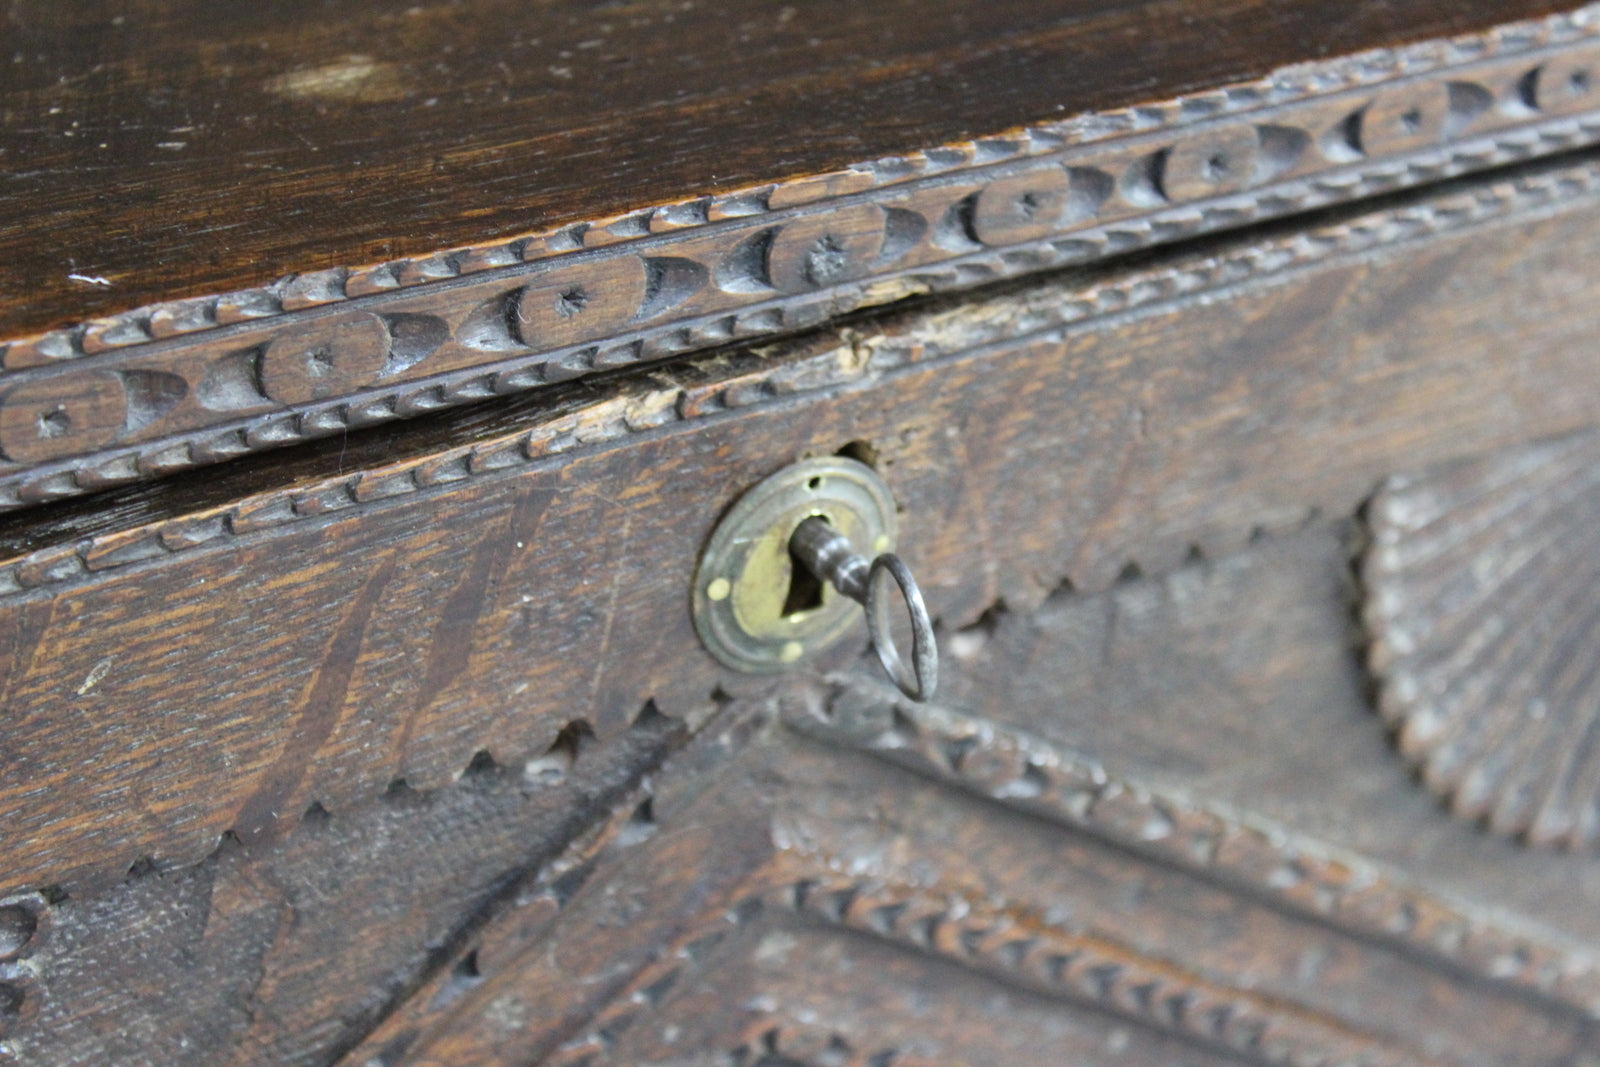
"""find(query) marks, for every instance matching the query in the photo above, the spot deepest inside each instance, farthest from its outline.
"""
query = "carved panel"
(199, 381)
(1483, 595)
(942, 892)
(824, 874)
(514, 544)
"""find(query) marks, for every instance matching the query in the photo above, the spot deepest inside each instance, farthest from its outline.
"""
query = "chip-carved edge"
(739, 382)
(1314, 134)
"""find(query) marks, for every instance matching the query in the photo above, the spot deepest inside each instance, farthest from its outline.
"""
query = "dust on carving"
(315, 719)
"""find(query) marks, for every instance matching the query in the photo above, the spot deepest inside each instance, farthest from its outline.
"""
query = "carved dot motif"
(571, 304)
(325, 359)
(1566, 84)
(817, 251)
(1224, 162)
(55, 423)
(62, 416)
(827, 262)
(1404, 120)
(1022, 207)
(319, 363)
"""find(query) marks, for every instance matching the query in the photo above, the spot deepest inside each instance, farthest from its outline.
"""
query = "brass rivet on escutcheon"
(781, 579)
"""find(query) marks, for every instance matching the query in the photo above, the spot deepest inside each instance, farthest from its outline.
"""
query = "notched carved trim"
(1300, 873)
(995, 939)
(198, 381)
(693, 392)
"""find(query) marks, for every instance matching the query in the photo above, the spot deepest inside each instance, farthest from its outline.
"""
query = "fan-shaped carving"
(1483, 604)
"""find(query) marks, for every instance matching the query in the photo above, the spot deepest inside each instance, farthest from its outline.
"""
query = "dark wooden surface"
(245, 649)
(1259, 561)
(1134, 829)
(184, 148)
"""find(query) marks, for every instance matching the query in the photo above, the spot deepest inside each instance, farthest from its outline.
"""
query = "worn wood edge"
(990, 333)
(608, 786)
(1288, 868)
(799, 875)
(695, 274)
(598, 415)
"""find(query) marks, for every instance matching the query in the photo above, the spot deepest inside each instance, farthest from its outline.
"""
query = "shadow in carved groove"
(1483, 605)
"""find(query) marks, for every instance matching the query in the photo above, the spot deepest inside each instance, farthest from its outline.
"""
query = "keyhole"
(805, 589)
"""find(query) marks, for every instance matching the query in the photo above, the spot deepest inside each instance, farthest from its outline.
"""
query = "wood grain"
(1192, 422)
(186, 383)
(286, 954)
(178, 149)
(962, 889)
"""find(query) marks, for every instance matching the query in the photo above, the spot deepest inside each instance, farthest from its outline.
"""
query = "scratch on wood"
(96, 674)
(450, 641)
(611, 605)
(319, 712)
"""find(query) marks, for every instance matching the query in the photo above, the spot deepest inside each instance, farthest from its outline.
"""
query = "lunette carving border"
(198, 381)
(740, 382)
(805, 878)
(1479, 607)
(1302, 874)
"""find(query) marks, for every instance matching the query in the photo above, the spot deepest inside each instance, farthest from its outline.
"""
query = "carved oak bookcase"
(391, 669)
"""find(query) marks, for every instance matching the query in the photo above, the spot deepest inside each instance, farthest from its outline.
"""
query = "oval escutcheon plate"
(748, 610)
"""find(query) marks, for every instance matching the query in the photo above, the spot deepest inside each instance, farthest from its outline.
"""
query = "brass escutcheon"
(767, 598)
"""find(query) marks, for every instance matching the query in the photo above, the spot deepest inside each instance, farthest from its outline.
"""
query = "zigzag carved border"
(803, 879)
(982, 756)
(198, 381)
(696, 393)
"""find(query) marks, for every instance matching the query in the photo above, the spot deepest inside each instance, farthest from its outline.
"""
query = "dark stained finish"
(186, 383)
(285, 954)
(494, 578)
(176, 149)
(1162, 901)
(1259, 541)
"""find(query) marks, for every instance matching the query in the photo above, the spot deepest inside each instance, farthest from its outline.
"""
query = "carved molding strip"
(989, 937)
(1300, 873)
(1481, 606)
(198, 381)
(693, 393)
(797, 864)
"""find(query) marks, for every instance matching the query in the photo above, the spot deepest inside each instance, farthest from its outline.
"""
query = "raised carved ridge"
(991, 937)
(1480, 604)
(618, 411)
(198, 381)
(811, 861)
(1300, 873)
(526, 857)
